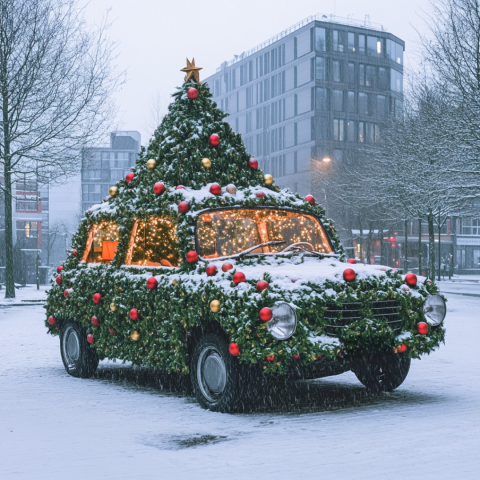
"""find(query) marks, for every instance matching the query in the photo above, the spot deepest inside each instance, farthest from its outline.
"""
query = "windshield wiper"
(247, 251)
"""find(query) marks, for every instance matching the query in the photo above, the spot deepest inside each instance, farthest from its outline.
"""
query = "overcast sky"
(155, 37)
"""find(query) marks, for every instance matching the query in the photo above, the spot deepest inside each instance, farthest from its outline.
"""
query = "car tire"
(217, 376)
(382, 372)
(79, 359)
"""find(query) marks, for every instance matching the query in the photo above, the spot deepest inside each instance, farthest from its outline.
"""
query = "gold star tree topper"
(192, 71)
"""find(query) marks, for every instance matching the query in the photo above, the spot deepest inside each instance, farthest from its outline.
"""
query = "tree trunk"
(431, 247)
(419, 246)
(405, 261)
(382, 246)
(439, 254)
(9, 279)
(369, 245)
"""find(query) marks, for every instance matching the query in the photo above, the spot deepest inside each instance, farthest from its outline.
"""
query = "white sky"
(155, 37)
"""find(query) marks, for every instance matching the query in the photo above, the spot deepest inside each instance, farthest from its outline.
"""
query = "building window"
(381, 105)
(351, 102)
(321, 99)
(396, 81)
(394, 52)
(338, 100)
(303, 73)
(27, 234)
(319, 68)
(363, 103)
(351, 73)
(370, 76)
(351, 42)
(361, 132)
(26, 202)
(91, 193)
(337, 41)
(350, 130)
(361, 75)
(336, 71)
(374, 46)
(320, 44)
(338, 130)
(470, 226)
(302, 43)
(382, 78)
(361, 44)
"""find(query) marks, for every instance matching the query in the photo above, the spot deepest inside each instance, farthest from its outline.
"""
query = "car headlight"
(435, 310)
(283, 323)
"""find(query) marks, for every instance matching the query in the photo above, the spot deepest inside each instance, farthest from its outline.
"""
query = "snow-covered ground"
(53, 426)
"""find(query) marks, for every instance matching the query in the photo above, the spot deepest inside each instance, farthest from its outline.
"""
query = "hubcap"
(71, 346)
(211, 373)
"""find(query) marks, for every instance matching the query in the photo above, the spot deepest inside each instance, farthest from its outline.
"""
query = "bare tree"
(158, 107)
(56, 80)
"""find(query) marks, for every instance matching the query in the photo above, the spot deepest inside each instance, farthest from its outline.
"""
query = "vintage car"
(228, 283)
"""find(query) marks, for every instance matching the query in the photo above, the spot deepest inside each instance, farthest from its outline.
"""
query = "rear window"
(102, 243)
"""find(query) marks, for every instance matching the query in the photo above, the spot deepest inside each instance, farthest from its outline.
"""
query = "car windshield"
(228, 232)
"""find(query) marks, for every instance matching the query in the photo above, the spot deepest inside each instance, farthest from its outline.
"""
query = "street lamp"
(327, 159)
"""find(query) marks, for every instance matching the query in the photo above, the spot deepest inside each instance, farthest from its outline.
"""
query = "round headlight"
(283, 323)
(435, 310)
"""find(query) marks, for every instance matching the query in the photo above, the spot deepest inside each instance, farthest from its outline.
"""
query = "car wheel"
(216, 375)
(78, 358)
(382, 373)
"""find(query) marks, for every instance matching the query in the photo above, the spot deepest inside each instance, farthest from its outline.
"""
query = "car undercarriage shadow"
(278, 395)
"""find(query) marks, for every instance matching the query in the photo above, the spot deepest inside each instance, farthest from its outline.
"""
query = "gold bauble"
(151, 164)
(113, 307)
(268, 179)
(112, 191)
(232, 189)
(206, 162)
(174, 282)
(134, 335)
(214, 306)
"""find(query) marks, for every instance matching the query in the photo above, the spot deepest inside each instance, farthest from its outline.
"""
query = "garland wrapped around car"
(198, 264)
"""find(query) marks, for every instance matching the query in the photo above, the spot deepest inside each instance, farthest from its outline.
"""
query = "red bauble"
(411, 279)
(422, 328)
(352, 261)
(183, 207)
(95, 321)
(262, 285)
(192, 256)
(152, 283)
(59, 269)
(253, 163)
(179, 187)
(65, 293)
(158, 188)
(239, 277)
(234, 349)
(214, 140)
(349, 275)
(296, 357)
(310, 199)
(260, 194)
(74, 253)
(134, 314)
(265, 314)
(111, 331)
(96, 298)
(211, 270)
(270, 359)
(51, 321)
(226, 267)
(402, 348)
(216, 189)
(58, 280)
(192, 93)
(90, 338)
(129, 177)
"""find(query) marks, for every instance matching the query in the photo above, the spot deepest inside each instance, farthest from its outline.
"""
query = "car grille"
(350, 312)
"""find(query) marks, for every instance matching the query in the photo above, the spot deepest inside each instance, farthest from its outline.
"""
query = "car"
(198, 264)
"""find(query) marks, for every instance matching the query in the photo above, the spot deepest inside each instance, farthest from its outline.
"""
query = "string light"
(228, 232)
(102, 244)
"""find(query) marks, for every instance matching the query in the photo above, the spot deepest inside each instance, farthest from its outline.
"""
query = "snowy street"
(53, 426)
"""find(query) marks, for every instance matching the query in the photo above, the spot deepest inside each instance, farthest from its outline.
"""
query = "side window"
(153, 243)
(102, 243)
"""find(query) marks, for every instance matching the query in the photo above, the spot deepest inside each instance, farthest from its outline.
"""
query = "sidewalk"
(25, 296)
